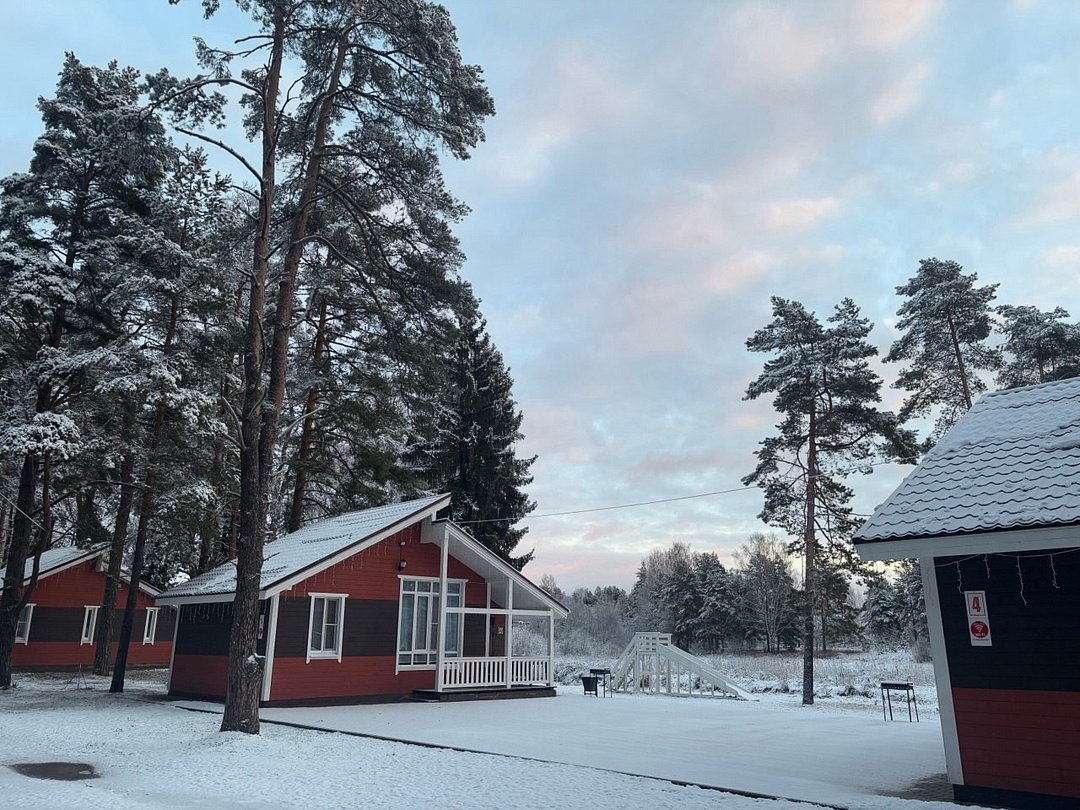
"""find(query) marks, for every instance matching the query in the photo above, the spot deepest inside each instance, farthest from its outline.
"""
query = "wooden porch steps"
(491, 693)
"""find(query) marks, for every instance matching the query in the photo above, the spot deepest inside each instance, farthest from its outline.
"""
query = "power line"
(650, 503)
(616, 506)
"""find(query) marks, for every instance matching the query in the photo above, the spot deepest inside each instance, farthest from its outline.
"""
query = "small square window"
(90, 614)
(324, 630)
(22, 629)
(150, 630)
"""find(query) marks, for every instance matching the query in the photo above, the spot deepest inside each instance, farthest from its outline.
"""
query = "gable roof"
(1011, 463)
(303, 553)
(55, 560)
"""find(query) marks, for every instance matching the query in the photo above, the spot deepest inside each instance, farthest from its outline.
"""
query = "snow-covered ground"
(154, 754)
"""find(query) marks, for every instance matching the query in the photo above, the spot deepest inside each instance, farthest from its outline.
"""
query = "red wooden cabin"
(353, 609)
(993, 514)
(56, 627)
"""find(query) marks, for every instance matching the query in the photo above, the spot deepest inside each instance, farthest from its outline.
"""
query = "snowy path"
(826, 753)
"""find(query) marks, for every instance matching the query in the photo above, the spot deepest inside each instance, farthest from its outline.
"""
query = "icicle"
(1020, 574)
(959, 579)
(1053, 572)
(986, 561)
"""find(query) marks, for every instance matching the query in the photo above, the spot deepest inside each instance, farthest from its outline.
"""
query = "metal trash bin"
(589, 683)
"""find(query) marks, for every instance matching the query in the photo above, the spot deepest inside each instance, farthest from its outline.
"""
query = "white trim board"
(981, 543)
(946, 710)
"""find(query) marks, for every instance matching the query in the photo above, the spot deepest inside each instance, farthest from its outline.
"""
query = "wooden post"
(551, 648)
(443, 558)
(487, 623)
(509, 631)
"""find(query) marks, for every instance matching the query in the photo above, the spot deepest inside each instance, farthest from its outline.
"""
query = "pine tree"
(944, 324)
(825, 391)
(472, 454)
(60, 225)
(378, 73)
(1039, 346)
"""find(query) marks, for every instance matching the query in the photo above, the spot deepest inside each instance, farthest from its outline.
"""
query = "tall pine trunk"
(307, 432)
(262, 414)
(146, 511)
(243, 680)
(103, 631)
(11, 598)
(810, 572)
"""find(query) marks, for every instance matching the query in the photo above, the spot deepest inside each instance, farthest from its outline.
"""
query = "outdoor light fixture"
(401, 562)
(401, 565)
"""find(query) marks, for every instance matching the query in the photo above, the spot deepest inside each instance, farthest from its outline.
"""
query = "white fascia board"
(463, 536)
(285, 584)
(195, 599)
(89, 555)
(981, 543)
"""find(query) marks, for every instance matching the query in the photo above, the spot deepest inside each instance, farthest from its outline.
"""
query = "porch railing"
(473, 673)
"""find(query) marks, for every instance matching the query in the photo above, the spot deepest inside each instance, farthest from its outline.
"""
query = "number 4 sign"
(978, 619)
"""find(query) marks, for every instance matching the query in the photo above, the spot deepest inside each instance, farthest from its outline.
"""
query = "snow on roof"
(1011, 462)
(54, 558)
(303, 549)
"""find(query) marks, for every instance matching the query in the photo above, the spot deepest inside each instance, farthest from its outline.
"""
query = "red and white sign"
(978, 619)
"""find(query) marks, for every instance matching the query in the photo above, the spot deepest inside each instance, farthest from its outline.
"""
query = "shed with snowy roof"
(993, 514)
(57, 623)
(353, 608)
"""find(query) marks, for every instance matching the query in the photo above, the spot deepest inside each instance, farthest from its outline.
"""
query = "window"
(22, 629)
(324, 629)
(418, 622)
(89, 622)
(151, 626)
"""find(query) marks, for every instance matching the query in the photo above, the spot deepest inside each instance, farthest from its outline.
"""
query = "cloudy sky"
(656, 171)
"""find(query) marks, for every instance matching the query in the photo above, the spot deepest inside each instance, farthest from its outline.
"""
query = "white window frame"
(325, 653)
(24, 620)
(150, 628)
(89, 624)
(429, 653)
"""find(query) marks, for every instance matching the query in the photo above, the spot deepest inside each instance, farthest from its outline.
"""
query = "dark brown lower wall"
(199, 676)
(1020, 741)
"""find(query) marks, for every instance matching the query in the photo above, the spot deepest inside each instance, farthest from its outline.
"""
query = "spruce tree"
(944, 322)
(826, 394)
(472, 454)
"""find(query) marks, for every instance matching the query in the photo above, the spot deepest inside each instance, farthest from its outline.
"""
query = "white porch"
(518, 620)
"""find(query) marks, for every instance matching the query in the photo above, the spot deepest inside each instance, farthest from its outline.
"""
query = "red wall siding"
(367, 676)
(371, 575)
(1012, 739)
(77, 587)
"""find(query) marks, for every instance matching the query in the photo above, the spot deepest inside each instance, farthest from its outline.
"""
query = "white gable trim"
(48, 572)
(363, 544)
(981, 543)
(88, 556)
(516, 576)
